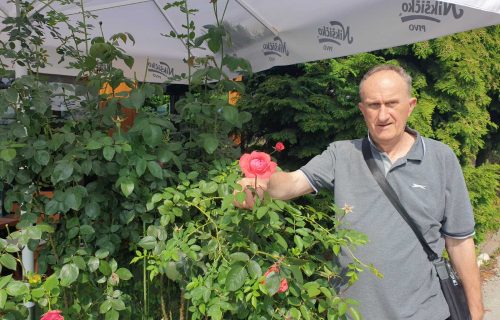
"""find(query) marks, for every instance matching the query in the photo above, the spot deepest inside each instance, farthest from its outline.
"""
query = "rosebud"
(283, 286)
(279, 146)
(114, 279)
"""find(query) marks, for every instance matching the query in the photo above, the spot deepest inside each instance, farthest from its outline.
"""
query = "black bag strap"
(393, 197)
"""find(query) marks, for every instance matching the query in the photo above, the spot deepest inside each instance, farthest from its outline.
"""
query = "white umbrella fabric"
(268, 32)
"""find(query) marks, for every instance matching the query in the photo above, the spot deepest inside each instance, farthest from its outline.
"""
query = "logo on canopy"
(275, 48)
(160, 70)
(334, 33)
(419, 11)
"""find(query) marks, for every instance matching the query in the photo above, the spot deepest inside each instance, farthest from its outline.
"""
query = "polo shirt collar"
(416, 152)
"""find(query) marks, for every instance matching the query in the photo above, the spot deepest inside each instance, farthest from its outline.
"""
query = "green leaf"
(37, 293)
(208, 188)
(152, 135)
(8, 154)
(209, 142)
(297, 274)
(244, 117)
(273, 282)
(231, 62)
(155, 169)
(239, 256)
(148, 243)
(4, 280)
(93, 264)
(102, 253)
(92, 210)
(171, 271)
(112, 315)
(140, 166)
(105, 306)
(94, 145)
(51, 207)
(51, 283)
(42, 157)
(305, 313)
(230, 114)
(214, 312)
(127, 187)
(86, 230)
(62, 171)
(105, 268)
(69, 274)
(254, 269)
(108, 152)
(312, 289)
(8, 261)
(79, 262)
(236, 277)
(214, 73)
(72, 199)
(355, 314)
(118, 305)
(17, 288)
(214, 44)
(129, 61)
(137, 98)
(298, 242)
(3, 298)
(124, 274)
(11, 94)
(280, 240)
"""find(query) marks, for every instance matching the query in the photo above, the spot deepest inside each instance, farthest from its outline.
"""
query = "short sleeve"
(320, 170)
(458, 216)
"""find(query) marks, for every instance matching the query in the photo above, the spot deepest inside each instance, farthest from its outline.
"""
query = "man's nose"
(383, 113)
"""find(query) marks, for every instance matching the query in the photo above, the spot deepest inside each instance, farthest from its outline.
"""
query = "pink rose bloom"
(52, 315)
(273, 268)
(257, 164)
(279, 146)
(283, 286)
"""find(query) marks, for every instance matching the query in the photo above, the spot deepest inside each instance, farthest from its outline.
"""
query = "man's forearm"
(463, 257)
(288, 185)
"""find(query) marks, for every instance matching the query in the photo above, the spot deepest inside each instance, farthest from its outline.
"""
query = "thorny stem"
(182, 305)
(85, 32)
(162, 300)
(144, 280)
(219, 21)
(188, 44)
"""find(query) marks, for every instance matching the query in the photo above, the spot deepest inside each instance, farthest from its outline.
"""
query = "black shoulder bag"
(450, 283)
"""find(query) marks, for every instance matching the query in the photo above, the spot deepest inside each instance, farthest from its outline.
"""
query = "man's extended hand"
(251, 191)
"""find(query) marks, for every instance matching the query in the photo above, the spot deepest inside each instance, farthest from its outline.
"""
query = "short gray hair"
(388, 67)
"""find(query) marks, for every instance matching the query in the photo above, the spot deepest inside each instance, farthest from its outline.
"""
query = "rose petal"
(257, 164)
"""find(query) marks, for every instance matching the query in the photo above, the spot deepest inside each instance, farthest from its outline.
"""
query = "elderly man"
(428, 181)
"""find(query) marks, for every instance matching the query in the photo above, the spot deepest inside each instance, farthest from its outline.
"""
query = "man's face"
(386, 105)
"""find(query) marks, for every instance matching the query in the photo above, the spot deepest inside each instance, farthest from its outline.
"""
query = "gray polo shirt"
(430, 184)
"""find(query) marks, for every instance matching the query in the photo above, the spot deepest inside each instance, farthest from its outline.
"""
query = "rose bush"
(257, 165)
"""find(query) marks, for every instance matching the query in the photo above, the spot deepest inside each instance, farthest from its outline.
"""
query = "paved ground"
(491, 284)
(491, 292)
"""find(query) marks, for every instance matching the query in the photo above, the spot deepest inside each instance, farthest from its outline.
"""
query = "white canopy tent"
(268, 32)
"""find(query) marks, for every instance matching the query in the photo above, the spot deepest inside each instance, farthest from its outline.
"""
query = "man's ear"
(360, 106)
(413, 104)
